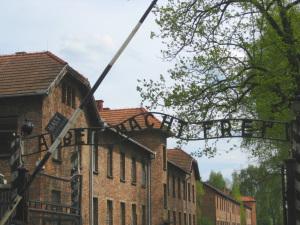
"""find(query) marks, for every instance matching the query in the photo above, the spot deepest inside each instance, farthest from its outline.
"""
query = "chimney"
(20, 53)
(99, 104)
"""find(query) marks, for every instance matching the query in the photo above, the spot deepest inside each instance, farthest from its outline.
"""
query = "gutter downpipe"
(149, 193)
(91, 180)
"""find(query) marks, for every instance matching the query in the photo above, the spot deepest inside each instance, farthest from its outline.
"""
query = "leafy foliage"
(216, 179)
(265, 187)
(199, 204)
(234, 58)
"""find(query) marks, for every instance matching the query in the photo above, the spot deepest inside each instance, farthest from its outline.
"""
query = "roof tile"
(181, 159)
(28, 73)
(117, 116)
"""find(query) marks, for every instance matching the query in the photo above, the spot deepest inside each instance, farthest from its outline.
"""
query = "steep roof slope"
(116, 116)
(183, 160)
(28, 73)
(247, 199)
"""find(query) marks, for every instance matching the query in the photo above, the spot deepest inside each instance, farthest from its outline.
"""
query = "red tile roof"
(180, 158)
(183, 160)
(30, 73)
(219, 192)
(247, 199)
(116, 116)
(24, 74)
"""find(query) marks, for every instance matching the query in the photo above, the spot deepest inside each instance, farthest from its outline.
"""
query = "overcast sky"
(86, 34)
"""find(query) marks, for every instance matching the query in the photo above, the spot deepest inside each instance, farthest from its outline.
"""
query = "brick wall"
(208, 209)
(22, 108)
(177, 202)
(112, 188)
(220, 209)
(39, 110)
(156, 141)
(252, 205)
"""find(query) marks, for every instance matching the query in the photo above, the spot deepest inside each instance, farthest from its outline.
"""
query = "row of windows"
(181, 218)
(122, 213)
(226, 205)
(184, 189)
(110, 166)
(57, 156)
(226, 223)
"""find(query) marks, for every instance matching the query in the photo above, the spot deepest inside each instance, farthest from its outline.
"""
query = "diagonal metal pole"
(85, 101)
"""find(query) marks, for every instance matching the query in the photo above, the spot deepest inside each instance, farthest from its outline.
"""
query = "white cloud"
(87, 47)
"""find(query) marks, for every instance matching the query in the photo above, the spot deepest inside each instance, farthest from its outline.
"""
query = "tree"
(216, 179)
(201, 219)
(233, 58)
(235, 189)
(265, 187)
(199, 205)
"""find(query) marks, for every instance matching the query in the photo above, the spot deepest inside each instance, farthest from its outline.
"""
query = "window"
(68, 95)
(184, 190)
(143, 215)
(144, 174)
(95, 211)
(110, 162)
(95, 158)
(194, 219)
(164, 158)
(179, 218)
(122, 214)
(179, 188)
(122, 166)
(189, 191)
(190, 219)
(174, 186)
(78, 149)
(56, 197)
(184, 219)
(56, 201)
(109, 213)
(133, 215)
(165, 197)
(8, 128)
(174, 217)
(193, 193)
(169, 216)
(133, 170)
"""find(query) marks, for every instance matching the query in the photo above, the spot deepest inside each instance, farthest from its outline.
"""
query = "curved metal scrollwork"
(178, 128)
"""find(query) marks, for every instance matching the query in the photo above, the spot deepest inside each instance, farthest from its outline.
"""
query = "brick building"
(221, 209)
(118, 180)
(182, 176)
(33, 87)
(251, 203)
(173, 172)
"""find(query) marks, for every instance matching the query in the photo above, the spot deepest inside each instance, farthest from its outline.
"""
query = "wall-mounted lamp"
(27, 127)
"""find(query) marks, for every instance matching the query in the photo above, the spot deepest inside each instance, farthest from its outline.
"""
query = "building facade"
(251, 203)
(173, 172)
(221, 209)
(34, 87)
(94, 177)
(182, 177)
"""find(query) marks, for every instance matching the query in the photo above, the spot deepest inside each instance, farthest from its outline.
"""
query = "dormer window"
(68, 95)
